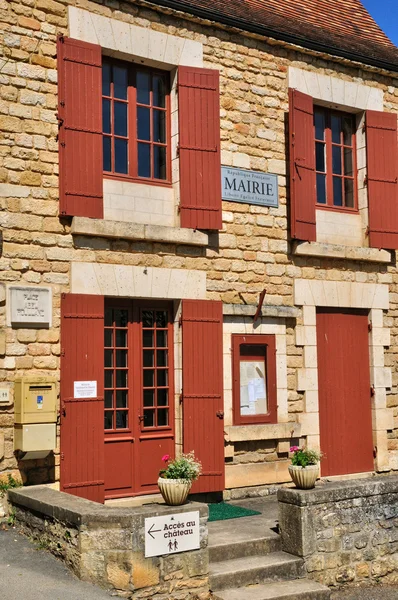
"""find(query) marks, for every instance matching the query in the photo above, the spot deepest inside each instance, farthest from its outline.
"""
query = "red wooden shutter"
(80, 128)
(302, 166)
(82, 419)
(202, 382)
(382, 158)
(199, 148)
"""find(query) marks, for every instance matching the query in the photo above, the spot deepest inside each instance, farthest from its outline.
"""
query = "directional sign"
(172, 533)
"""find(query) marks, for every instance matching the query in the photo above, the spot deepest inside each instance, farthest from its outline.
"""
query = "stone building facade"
(138, 251)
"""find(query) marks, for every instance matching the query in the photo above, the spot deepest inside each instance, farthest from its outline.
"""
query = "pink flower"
(294, 449)
(166, 458)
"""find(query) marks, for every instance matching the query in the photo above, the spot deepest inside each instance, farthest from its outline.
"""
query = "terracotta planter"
(174, 491)
(304, 477)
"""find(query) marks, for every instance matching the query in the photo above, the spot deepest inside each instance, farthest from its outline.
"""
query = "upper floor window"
(335, 159)
(135, 121)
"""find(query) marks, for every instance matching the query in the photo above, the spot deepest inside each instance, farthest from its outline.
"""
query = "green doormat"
(223, 511)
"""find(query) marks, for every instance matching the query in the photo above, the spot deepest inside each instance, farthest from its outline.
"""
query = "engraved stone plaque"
(29, 306)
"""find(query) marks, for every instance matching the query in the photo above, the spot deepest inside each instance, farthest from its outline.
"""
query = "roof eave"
(265, 31)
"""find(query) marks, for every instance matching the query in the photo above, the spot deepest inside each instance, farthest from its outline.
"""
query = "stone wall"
(347, 532)
(252, 252)
(106, 545)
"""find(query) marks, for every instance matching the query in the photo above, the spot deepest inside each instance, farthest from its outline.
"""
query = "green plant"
(11, 518)
(6, 485)
(302, 457)
(185, 466)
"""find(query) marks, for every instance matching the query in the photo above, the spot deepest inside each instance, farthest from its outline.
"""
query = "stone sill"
(249, 310)
(137, 232)
(346, 252)
(269, 431)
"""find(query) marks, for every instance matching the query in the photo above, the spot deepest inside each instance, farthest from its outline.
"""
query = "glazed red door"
(344, 392)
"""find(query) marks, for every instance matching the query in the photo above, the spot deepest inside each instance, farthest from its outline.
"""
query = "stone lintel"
(341, 490)
(249, 310)
(347, 252)
(135, 231)
(269, 431)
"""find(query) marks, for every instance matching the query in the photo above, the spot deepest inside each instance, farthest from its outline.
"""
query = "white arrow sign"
(172, 533)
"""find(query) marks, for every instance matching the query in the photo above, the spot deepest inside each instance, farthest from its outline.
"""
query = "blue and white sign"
(253, 187)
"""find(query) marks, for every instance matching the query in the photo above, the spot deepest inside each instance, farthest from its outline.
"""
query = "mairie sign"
(253, 187)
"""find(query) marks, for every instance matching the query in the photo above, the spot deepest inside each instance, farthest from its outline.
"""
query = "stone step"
(299, 589)
(222, 549)
(240, 572)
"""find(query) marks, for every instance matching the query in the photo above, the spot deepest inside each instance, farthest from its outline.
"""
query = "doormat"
(223, 511)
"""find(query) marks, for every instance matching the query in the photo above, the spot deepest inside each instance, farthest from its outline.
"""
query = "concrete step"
(299, 589)
(224, 548)
(240, 572)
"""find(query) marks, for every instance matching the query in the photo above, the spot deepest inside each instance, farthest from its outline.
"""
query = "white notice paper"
(85, 389)
(172, 533)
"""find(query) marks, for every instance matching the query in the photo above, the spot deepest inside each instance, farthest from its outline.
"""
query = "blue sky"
(385, 13)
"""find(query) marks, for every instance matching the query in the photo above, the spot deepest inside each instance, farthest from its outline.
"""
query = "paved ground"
(368, 593)
(32, 574)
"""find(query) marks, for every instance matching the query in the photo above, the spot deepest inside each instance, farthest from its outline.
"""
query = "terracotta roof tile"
(343, 26)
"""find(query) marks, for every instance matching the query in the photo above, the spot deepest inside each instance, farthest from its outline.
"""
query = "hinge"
(372, 391)
(181, 398)
(365, 181)
(180, 321)
(367, 231)
(62, 455)
(375, 452)
(62, 351)
(370, 326)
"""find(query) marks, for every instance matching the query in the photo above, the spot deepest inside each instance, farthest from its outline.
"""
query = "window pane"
(121, 379)
(108, 379)
(108, 317)
(149, 418)
(149, 378)
(159, 126)
(108, 420)
(120, 112)
(109, 358)
(336, 129)
(149, 358)
(121, 317)
(161, 318)
(149, 397)
(120, 82)
(349, 192)
(121, 398)
(147, 339)
(108, 338)
(143, 123)
(159, 162)
(161, 339)
(106, 80)
(159, 91)
(143, 87)
(108, 402)
(121, 419)
(121, 162)
(253, 388)
(106, 144)
(319, 118)
(121, 358)
(348, 161)
(162, 377)
(336, 159)
(337, 191)
(163, 397)
(347, 130)
(321, 188)
(163, 417)
(161, 358)
(144, 160)
(106, 116)
(320, 156)
(147, 318)
(121, 338)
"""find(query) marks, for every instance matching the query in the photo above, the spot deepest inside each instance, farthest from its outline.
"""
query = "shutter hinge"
(180, 321)
(367, 231)
(62, 351)
(61, 38)
(62, 456)
(375, 452)
(370, 326)
(372, 391)
(181, 398)
(365, 181)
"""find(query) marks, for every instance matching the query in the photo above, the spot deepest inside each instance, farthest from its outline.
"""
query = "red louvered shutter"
(382, 159)
(199, 148)
(80, 128)
(202, 383)
(302, 166)
(82, 419)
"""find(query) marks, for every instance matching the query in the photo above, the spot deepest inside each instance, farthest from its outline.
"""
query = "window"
(335, 159)
(135, 121)
(254, 378)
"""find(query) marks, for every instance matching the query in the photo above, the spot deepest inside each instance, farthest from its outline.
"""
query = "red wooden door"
(202, 382)
(344, 392)
(82, 418)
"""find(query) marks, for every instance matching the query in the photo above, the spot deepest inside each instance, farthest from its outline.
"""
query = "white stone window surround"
(311, 294)
(334, 227)
(136, 202)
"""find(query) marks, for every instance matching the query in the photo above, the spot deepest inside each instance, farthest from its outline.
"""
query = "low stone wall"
(106, 545)
(347, 532)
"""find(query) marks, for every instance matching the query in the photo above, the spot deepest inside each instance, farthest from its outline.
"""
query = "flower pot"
(304, 477)
(174, 491)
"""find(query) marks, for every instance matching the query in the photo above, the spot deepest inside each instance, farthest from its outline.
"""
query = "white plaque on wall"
(29, 306)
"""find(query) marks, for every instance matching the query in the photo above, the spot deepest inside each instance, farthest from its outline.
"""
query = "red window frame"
(329, 144)
(132, 129)
(264, 348)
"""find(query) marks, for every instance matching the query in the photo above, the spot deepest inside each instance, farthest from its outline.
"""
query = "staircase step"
(299, 589)
(240, 572)
(222, 549)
